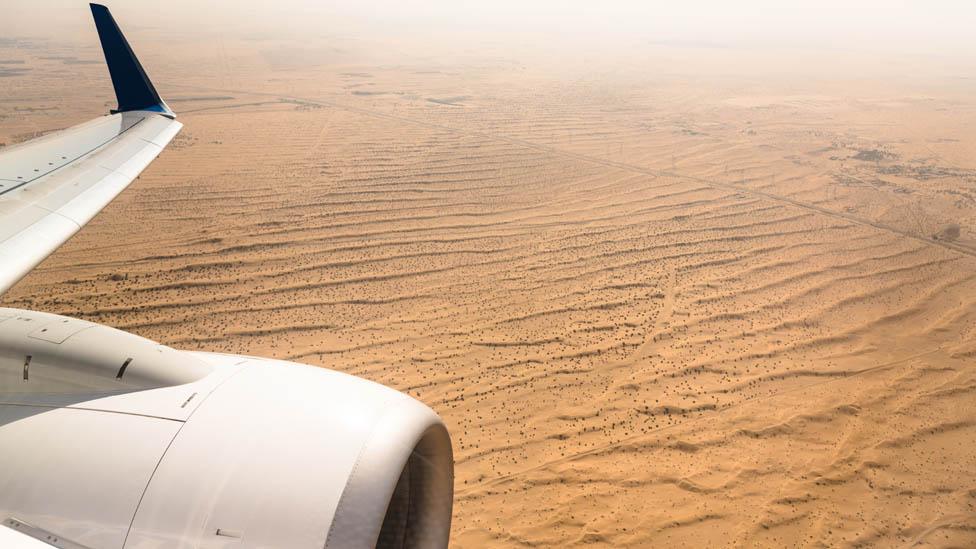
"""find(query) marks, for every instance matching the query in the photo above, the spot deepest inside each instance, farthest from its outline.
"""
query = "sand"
(656, 303)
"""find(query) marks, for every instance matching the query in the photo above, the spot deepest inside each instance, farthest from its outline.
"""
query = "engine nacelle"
(252, 453)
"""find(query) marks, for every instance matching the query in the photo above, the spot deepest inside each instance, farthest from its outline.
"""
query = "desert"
(657, 301)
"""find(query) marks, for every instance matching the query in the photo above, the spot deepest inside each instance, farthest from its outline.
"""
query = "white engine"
(108, 440)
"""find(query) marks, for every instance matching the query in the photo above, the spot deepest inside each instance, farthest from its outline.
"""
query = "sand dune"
(651, 312)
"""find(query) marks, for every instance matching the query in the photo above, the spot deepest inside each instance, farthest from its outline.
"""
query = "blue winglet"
(132, 87)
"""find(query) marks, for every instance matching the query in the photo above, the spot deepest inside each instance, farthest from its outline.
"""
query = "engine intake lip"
(400, 492)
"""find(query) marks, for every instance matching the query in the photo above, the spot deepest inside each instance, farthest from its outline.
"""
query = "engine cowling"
(255, 453)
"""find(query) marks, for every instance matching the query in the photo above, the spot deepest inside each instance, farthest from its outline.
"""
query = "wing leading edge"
(52, 186)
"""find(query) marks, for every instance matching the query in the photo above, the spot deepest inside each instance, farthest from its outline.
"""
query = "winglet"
(132, 87)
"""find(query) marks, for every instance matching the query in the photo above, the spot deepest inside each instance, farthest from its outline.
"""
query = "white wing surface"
(52, 186)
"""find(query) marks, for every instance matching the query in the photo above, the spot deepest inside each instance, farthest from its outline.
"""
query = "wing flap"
(23, 251)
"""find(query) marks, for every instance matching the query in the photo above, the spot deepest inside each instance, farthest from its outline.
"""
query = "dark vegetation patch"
(200, 98)
(14, 71)
(456, 101)
(949, 233)
(873, 155)
(925, 172)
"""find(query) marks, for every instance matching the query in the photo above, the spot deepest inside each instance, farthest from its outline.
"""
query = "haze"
(906, 26)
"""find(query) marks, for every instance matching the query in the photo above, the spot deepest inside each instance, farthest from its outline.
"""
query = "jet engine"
(109, 440)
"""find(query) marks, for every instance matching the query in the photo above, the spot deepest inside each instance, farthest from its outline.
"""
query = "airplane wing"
(52, 186)
(109, 440)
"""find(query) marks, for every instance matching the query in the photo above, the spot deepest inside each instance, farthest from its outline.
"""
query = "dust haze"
(694, 275)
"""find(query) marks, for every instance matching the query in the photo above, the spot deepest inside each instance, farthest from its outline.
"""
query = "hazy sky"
(903, 25)
(947, 22)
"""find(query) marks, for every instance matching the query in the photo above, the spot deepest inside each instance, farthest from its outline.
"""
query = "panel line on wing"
(48, 210)
(73, 160)
(92, 410)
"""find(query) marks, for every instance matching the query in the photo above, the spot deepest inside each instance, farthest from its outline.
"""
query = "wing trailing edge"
(133, 89)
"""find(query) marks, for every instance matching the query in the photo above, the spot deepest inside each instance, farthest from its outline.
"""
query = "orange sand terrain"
(658, 302)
